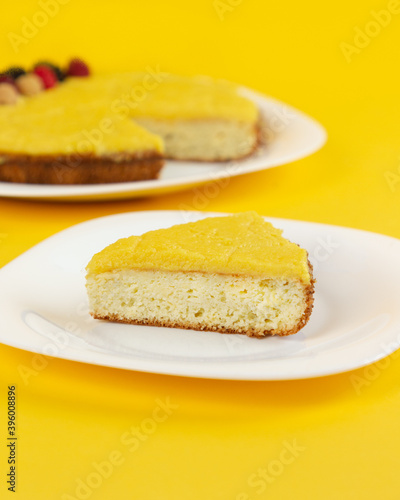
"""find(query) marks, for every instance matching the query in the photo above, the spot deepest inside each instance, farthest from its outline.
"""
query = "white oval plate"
(294, 135)
(356, 317)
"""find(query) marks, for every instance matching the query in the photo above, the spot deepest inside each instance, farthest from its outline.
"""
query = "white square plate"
(356, 317)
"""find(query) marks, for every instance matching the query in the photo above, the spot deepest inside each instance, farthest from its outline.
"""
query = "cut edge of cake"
(256, 306)
(205, 139)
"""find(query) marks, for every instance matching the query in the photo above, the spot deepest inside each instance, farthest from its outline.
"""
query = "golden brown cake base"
(83, 169)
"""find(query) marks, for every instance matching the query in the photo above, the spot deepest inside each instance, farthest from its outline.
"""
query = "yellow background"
(71, 415)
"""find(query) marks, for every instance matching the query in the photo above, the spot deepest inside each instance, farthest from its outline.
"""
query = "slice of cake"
(233, 274)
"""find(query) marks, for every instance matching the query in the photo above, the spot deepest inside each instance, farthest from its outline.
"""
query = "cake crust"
(84, 169)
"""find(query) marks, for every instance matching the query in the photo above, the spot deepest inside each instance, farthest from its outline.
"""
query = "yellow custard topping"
(67, 121)
(168, 97)
(242, 244)
(95, 114)
(184, 98)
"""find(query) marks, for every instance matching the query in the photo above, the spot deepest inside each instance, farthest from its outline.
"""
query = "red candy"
(47, 76)
(78, 68)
